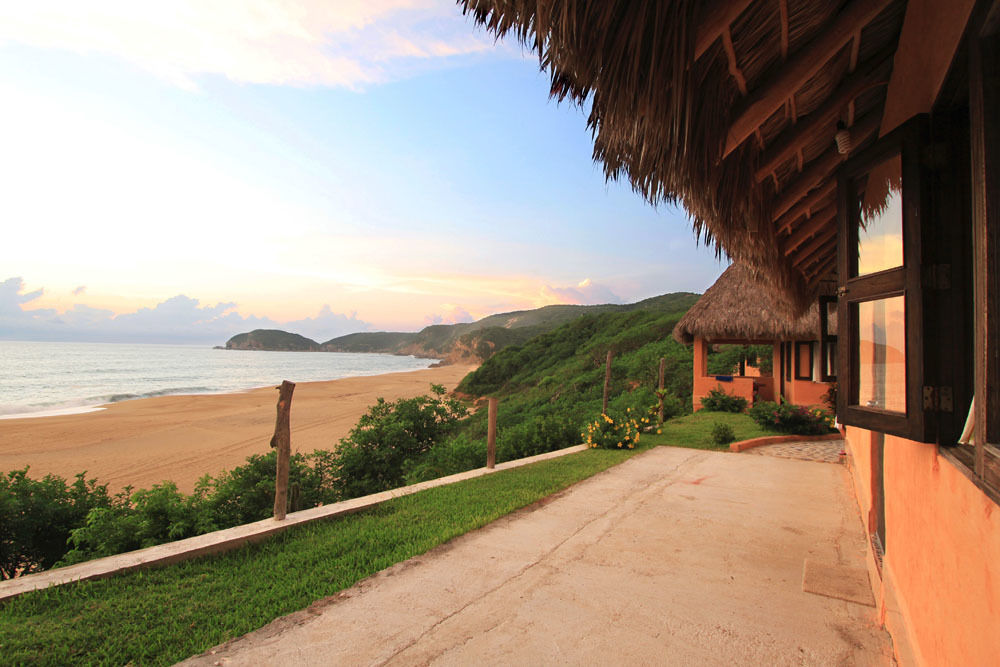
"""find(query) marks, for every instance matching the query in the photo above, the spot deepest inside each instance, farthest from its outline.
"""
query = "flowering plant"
(614, 432)
(788, 418)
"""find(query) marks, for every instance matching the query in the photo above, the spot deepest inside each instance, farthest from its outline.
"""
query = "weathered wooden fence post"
(282, 441)
(607, 382)
(491, 435)
(663, 370)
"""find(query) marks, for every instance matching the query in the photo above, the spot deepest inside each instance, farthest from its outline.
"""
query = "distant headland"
(469, 342)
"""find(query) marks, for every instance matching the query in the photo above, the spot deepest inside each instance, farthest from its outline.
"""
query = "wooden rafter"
(783, 10)
(812, 225)
(823, 268)
(818, 170)
(734, 67)
(807, 251)
(767, 98)
(802, 133)
(713, 20)
(822, 167)
(805, 206)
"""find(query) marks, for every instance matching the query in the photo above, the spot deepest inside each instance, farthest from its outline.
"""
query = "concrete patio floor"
(677, 556)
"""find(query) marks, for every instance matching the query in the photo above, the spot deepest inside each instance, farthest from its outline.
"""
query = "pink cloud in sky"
(584, 293)
(347, 43)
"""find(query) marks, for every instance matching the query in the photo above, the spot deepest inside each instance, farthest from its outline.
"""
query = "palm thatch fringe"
(738, 307)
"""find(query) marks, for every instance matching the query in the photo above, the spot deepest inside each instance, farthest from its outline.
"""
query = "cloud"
(585, 293)
(79, 290)
(179, 319)
(346, 43)
(327, 325)
(451, 314)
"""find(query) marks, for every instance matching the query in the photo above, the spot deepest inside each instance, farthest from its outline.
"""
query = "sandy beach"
(180, 438)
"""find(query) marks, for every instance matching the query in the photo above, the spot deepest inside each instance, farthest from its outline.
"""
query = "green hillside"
(550, 387)
(479, 340)
(272, 339)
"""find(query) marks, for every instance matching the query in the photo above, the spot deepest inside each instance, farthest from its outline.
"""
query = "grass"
(695, 430)
(163, 615)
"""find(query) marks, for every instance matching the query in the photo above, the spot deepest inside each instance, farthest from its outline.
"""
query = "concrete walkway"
(676, 557)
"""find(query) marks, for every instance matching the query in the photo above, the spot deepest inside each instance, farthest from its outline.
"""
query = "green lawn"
(695, 430)
(163, 615)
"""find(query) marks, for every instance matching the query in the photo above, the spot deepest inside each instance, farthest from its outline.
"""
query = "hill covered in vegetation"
(478, 341)
(272, 339)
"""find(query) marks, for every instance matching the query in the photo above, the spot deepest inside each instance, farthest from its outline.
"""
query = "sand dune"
(181, 438)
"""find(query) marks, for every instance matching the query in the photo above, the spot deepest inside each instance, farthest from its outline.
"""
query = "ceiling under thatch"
(727, 107)
(739, 307)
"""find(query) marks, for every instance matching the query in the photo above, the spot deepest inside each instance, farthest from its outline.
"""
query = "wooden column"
(282, 441)
(491, 435)
(663, 370)
(607, 382)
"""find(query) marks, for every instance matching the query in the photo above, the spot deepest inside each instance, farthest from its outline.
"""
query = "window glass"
(881, 331)
(880, 215)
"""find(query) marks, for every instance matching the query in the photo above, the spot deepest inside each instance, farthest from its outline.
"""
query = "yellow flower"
(659, 431)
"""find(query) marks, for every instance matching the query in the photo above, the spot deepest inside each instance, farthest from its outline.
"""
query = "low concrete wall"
(238, 536)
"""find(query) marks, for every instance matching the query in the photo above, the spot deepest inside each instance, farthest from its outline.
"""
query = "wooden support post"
(282, 441)
(663, 370)
(491, 435)
(607, 382)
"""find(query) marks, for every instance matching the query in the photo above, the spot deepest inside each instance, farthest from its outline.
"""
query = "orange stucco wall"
(940, 587)
(806, 392)
(740, 386)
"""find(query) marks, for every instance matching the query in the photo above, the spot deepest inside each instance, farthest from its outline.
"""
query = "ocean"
(43, 379)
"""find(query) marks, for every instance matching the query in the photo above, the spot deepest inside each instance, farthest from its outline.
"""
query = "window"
(879, 317)
(803, 361)
(828, 339)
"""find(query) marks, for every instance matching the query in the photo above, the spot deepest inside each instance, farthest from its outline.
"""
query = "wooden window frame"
(905, 280)
(799, 375)
(826, 339)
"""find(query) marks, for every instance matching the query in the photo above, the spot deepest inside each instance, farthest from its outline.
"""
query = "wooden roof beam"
(822, 167)
(802, 66)
(802, 133)
(823, 268)
(713, 20)
(805, 206)
(808, 228)
(818, 170)
(816, 245)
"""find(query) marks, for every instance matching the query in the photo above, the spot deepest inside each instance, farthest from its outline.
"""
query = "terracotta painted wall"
(940, 589)
(740, 386)
(806, 392)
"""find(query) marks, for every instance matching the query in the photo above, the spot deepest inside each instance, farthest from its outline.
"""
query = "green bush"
(719, 401)
(37, 516)
(794, 419)
(536, 436)
(373, 456)
(456, 454)
(722, 434)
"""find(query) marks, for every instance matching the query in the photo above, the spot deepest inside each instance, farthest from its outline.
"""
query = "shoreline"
(144, 441)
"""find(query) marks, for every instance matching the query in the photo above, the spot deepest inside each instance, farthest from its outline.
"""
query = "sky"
(185, 171)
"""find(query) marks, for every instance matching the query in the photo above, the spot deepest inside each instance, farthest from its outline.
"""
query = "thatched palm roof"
(728, 107)
(739, 307)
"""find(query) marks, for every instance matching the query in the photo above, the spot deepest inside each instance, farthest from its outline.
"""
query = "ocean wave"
(93, 403)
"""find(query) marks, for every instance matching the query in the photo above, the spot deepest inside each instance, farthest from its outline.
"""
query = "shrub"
(457, 454)
(719, 401)
(672, 405)
(617, 432)
(794, 419)
(372, 457)
(536, 435)
(37, 516)
(722, 434)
